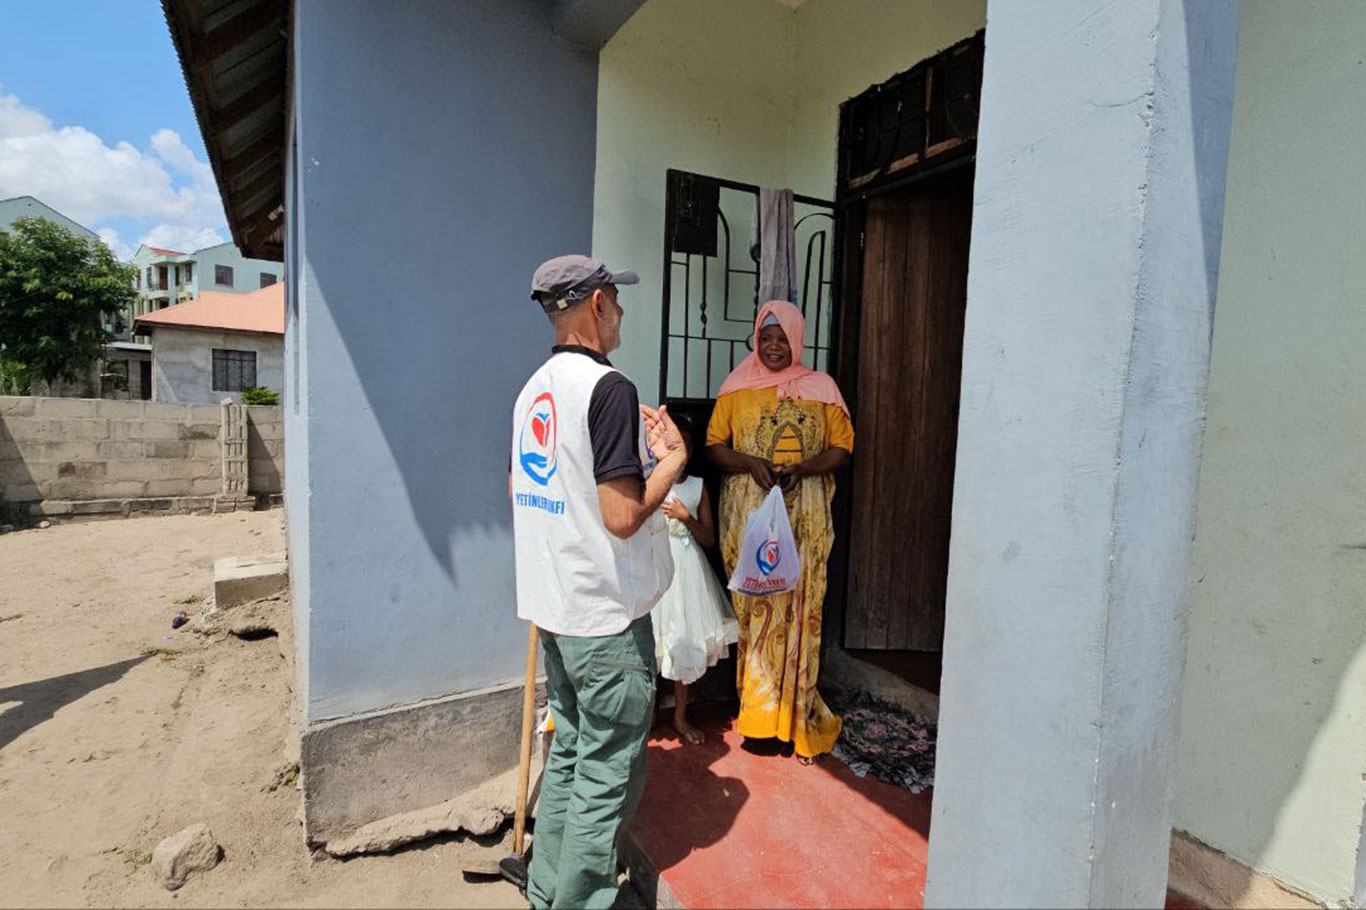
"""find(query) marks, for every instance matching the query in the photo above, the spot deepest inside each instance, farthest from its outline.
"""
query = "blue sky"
(95, 121)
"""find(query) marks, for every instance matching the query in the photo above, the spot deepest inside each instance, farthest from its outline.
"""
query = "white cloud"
(17, 120)
(182, 237)
(172, 149)
(110, 238)
(76, 172)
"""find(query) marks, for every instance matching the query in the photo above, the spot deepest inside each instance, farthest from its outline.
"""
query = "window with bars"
(711, 282)
(233, 371)
(914, 118)
(222, 274)
(267, 279)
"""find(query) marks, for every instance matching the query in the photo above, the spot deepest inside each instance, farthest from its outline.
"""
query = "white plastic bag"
(768, 562)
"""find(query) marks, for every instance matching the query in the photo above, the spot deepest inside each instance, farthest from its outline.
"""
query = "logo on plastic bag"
(767, 557)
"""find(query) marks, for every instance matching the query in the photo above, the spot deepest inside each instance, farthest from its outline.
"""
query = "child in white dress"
(694, 624)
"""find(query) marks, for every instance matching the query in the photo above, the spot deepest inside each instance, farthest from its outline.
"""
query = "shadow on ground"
(39, 701)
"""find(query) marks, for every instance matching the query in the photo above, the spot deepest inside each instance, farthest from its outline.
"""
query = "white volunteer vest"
(573, 576)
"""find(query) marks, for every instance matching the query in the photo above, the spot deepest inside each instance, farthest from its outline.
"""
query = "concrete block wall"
(72, 450)
(80, 449)
(265, 449)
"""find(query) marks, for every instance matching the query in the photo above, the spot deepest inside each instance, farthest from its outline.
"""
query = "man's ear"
(598, 302)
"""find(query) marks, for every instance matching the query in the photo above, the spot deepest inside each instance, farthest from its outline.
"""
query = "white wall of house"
(182, 363)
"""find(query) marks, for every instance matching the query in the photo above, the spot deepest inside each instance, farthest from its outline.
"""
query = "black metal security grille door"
(711, 282)
(917, 119)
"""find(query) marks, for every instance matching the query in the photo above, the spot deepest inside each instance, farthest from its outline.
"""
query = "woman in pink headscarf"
(780, 423)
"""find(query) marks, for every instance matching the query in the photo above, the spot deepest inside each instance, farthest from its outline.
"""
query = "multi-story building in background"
(167, 277)
(11, 210)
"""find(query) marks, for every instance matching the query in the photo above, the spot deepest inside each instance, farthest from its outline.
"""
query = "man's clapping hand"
(661, 433)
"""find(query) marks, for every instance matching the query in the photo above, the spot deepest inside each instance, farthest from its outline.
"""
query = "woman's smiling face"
(774, 351)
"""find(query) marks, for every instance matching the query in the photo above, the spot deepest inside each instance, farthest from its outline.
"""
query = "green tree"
(260, 395)
(55, 290)
(14, 379)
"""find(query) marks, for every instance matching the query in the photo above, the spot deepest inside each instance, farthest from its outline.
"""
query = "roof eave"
(145, 327)
(241, 115)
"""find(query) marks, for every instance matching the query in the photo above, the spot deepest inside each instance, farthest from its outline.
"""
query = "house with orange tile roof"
(166, 277)
(216, 345)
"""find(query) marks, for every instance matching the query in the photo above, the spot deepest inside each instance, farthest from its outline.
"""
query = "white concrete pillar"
(1099, 196)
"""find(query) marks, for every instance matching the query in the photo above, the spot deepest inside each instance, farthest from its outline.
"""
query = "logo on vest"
(537, 443)
(768, 556)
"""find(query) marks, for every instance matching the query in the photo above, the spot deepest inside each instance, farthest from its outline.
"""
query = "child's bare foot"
(690, 734)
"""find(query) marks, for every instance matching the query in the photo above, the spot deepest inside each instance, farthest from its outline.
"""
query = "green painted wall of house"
(1273, 742)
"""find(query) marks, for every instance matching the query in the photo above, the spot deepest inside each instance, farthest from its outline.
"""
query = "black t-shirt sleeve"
(614, 428)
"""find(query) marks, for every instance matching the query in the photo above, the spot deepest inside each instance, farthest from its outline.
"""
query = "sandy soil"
(116, 731)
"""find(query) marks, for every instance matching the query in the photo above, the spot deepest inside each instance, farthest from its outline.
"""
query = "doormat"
(884, 740)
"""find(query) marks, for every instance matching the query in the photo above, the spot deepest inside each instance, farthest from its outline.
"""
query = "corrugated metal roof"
(234, 55)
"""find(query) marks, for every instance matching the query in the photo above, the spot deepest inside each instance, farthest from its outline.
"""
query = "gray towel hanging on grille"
(774, 245)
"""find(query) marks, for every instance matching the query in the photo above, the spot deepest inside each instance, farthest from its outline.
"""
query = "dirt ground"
(116, 731)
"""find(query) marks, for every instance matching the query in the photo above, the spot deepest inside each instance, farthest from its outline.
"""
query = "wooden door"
(915, 268)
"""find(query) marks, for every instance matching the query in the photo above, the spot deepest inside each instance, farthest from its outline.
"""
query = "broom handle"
(528, 727)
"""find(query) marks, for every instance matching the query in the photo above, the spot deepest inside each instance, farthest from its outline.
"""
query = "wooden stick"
(528, 728)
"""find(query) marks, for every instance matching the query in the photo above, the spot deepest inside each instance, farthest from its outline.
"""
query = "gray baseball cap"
(561, 282)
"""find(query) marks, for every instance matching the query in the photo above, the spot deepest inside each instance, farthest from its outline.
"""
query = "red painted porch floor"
(723, 826)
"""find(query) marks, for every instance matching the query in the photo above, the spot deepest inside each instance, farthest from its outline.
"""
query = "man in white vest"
(590, 470)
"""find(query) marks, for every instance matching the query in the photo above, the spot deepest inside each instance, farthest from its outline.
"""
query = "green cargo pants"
(601, 692)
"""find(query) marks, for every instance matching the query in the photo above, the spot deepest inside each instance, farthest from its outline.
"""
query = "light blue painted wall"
(294, 406)
(1099, 182)
(415, 330)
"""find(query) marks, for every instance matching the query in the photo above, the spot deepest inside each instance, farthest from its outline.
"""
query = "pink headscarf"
(796, 381)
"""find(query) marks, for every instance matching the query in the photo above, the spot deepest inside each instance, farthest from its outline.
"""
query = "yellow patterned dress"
(778, 657)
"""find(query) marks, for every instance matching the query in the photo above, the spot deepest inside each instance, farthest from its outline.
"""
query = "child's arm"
(700, 525)
(703, 530)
